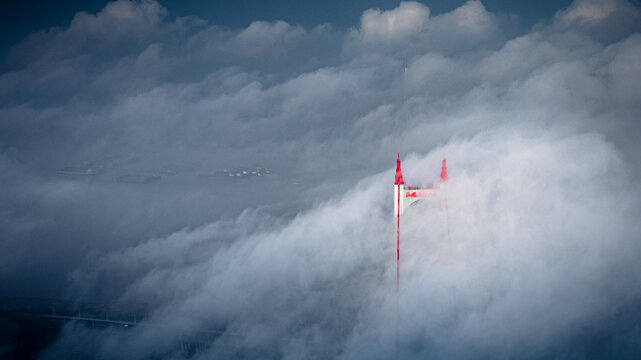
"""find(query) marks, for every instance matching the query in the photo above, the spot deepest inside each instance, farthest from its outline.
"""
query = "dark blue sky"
(18, 18)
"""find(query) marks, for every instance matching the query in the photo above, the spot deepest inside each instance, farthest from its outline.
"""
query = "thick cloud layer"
(540, 131)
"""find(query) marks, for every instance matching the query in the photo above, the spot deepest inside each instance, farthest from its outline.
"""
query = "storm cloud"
(540, 129)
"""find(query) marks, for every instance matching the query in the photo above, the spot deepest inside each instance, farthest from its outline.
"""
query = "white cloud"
(118, 16)
(606, 21)
(540, 131)
(472, 16)
(409, 30)
(407, 19)
(594, 10)
(261, 36)
(530, 249)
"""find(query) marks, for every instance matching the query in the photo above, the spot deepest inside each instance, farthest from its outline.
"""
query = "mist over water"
(539, 130)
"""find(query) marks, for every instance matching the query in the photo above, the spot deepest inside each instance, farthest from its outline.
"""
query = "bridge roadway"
(193, 341)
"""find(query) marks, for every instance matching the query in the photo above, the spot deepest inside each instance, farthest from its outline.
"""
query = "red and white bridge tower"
(405, 195)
